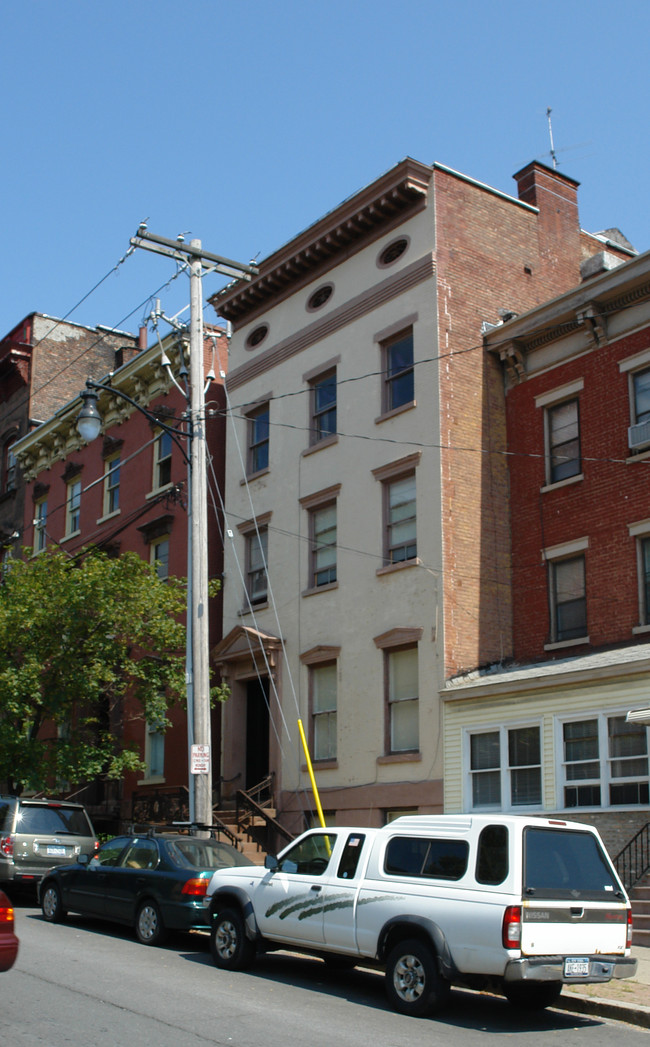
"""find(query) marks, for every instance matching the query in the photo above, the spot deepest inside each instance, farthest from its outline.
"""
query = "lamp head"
(89, 422)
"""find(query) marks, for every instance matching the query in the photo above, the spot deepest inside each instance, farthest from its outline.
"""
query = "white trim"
(562, 393)
(605, 779)
(558, 552)
(632, 362)
(504, 766)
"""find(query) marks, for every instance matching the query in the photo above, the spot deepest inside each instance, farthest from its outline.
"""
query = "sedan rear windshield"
(39, 819)
(566, 864)
(194, 853)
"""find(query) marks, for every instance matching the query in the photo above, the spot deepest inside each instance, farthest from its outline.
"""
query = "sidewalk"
(626, 1000)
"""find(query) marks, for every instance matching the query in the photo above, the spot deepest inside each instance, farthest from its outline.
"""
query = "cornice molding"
(393, 286)
(362, 218)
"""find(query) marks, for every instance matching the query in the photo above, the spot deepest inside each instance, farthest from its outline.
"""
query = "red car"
(8, 940)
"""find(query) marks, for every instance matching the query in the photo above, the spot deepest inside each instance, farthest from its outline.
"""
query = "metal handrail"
(633, 861)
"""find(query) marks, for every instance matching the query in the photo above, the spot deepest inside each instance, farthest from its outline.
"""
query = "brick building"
(127, 490)
(370, 552)
(551, 731)
(43, 363)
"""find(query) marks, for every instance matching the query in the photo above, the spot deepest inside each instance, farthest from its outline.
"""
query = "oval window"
(394, 251)
(320, 296)
(257, 336)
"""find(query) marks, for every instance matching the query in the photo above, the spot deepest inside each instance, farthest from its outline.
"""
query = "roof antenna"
(550, 132)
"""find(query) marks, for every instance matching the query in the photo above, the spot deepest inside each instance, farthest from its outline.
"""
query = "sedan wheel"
(51, 904)
(149, 927)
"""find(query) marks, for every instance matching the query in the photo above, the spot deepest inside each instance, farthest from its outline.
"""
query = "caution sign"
(200, 759)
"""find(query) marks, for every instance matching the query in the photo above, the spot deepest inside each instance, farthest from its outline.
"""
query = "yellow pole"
(321, 817)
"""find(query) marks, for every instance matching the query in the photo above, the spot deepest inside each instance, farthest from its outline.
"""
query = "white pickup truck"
(518, 905)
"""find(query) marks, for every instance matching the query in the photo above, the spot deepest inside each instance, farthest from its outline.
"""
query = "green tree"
(77, 635)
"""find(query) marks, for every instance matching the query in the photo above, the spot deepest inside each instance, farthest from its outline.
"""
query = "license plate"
(56, 850)
(574, 967)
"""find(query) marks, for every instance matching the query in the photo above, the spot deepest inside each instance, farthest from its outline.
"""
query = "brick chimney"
(556, 197)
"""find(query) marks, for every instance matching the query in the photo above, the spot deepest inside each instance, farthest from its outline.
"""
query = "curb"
(633, 1013)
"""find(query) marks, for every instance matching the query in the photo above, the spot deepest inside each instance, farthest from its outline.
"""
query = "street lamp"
(89, 424)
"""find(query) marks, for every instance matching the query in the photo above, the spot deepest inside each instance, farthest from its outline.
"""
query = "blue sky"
(240, 123)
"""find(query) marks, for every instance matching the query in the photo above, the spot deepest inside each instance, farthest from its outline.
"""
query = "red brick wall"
(611, 495)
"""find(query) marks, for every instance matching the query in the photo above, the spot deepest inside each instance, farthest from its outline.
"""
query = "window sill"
(410, 756)
(320, 589)
(640, 629)
(158, 491)
(253, 609)
(403, 565)
(69, 537)
(580, 641)
(320, 445)
(156, 779)
(5, 496)
(109, 516)
(642, 456)
(562, 483)
(322, 765)
(396, 411)
(254, 476)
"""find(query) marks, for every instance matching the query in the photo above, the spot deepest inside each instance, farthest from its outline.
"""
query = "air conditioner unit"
(638, 435)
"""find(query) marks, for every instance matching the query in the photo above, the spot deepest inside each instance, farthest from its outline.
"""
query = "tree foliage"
(77, 635)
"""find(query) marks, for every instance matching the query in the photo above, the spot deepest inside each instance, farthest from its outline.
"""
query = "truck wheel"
(231, 949)
(533, 997)
(413, 983)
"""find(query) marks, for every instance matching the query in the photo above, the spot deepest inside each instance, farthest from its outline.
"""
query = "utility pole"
(198, 668)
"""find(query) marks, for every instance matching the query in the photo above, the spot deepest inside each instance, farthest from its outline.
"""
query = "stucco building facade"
(367, 493)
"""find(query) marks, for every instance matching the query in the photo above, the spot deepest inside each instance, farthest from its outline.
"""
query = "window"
(111, 485)
(162, 460)
(434, 859)
(258, 439)
(403, 699)
(645, 575)
(505, 768)
(73, 506)
(568, 599)
(40, 522)
(310, 856)
(399, 378)
(400, 518)
(322, 534)
(605, 762)
(256, 569)
(9, 467)
(563, 441)
(323, 407)
(640, 396)
(154, 751)
(160, 557)
(323, 687)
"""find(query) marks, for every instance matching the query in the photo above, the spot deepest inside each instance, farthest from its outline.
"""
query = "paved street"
(83, 982)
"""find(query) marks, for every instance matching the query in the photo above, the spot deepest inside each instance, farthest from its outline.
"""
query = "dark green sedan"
(155, 883)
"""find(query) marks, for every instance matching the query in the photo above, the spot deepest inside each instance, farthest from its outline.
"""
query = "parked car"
(154, 883)
(8, 940)
(520, 906)
(37, 834)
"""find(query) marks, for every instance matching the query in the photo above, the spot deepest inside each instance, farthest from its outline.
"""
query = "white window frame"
(505, 769)
(112, 466)
(154, 753)
(554, 556)
(605, 778)
(162, 463)
(40, 523)
(73, 507)
(159, 550)
(324, 716)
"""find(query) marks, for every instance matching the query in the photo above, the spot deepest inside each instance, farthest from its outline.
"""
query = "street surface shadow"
(480, 1012)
